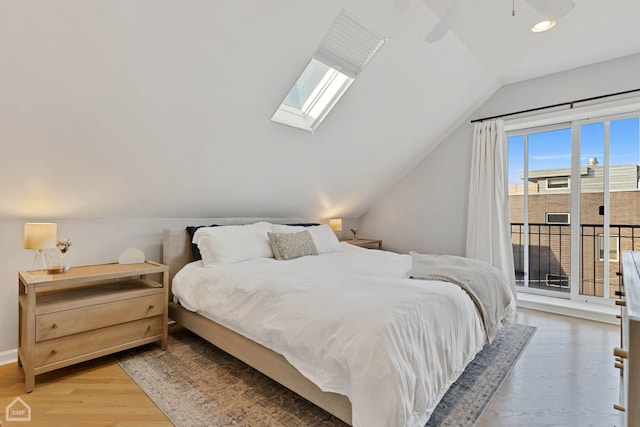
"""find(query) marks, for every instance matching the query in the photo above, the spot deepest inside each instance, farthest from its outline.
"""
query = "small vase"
(63, 262)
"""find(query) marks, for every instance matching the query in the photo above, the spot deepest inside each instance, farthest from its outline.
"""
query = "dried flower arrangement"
(63, 245)
(355, 233)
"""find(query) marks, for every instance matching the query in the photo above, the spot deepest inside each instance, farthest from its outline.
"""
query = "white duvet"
(351, 322)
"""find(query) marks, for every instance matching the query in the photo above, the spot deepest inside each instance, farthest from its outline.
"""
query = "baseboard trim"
(583, 310)
(8, 356)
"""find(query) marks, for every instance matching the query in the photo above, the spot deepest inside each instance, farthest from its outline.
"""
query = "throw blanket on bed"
(485, 284)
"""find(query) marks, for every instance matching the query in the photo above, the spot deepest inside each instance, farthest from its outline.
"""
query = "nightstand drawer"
(60, 349)
(68, 322)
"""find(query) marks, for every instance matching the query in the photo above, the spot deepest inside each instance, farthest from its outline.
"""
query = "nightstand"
(365, 243)
(88, 312)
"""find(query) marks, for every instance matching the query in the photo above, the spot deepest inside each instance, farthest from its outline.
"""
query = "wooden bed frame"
(176, 254)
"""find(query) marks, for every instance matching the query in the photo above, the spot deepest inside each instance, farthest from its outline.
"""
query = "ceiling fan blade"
(446, 22)
(552, 9)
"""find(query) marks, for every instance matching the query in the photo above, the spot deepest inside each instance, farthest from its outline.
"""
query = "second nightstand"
(365, 243)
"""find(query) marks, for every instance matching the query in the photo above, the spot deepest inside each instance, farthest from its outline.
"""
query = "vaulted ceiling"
(160, 108)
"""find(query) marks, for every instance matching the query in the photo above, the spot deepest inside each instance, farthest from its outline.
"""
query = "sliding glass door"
(573, 198)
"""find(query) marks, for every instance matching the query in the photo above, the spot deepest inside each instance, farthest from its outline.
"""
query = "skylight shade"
(348, 45)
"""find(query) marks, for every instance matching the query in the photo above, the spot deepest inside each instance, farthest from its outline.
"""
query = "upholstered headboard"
(176, 249)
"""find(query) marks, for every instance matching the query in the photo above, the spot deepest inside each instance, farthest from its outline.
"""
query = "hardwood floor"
(564, 378)
(94, 393)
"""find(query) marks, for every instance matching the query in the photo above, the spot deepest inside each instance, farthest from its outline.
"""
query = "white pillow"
(282, 228)
(323, 236)
(229, 244)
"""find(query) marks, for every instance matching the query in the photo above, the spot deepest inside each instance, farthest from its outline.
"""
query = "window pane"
(613, 248)
(542, 258)
(306, 84)
(558, 182)
(624, 202)
(516, 204)
(558, 218)
(549, 243)
(591, 219)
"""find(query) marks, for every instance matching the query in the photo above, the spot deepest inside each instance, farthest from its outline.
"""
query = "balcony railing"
(550, 255)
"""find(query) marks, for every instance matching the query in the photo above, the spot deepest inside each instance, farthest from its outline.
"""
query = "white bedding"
(351, 322)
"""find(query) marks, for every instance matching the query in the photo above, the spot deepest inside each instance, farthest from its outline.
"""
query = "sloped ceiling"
(160, 108)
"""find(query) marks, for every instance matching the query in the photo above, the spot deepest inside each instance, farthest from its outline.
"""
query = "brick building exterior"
(549, 219)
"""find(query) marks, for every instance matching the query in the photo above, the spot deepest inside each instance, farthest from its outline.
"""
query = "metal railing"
(550, 255)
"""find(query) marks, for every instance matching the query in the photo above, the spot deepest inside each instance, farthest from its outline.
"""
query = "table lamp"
(336, 224)
(40, 236)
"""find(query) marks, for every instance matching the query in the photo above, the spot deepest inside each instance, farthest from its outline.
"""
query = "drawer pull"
(54, 326)
(619, 408)
(54, 352)
(618, 352)
(151, 306)
(622, 303)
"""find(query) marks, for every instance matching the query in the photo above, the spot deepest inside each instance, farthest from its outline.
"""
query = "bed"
(369, 345)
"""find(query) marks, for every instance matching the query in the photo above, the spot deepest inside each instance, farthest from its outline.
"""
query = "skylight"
(343, 53)
(312, 96)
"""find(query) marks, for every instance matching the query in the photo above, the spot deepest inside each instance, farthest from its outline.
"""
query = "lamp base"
(42, 261)
(56, 269)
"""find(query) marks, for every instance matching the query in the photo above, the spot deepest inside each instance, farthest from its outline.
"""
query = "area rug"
(195, 384)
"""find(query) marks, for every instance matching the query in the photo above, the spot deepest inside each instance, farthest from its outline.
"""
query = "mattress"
(352, 322)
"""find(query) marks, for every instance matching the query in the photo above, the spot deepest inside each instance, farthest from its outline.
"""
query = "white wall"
(94, 241)
(427, 210)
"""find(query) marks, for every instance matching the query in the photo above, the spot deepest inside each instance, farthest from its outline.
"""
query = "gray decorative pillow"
(292, 245)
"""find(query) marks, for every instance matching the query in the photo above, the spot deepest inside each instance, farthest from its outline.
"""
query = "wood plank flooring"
(94, 393)
(564, 378)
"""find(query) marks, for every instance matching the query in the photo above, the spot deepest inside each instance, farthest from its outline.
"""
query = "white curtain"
(488, 227)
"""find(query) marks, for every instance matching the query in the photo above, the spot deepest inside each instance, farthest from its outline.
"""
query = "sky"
(552, 149)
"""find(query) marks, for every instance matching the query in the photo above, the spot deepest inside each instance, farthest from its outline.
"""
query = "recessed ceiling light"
(543, 26)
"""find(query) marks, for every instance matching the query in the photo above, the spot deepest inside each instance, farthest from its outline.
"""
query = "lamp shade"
(336, 224)
(40, 235)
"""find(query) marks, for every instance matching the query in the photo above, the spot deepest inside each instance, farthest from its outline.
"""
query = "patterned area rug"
(196, 384)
